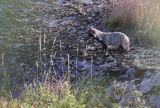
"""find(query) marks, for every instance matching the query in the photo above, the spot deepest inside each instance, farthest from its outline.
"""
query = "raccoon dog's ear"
(92, 32)
(92, 29)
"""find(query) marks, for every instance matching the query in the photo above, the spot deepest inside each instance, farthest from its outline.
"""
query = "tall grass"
(87, 93)
(138, 18)
(58, 95)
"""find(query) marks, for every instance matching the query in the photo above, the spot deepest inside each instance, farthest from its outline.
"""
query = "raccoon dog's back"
(118, 39)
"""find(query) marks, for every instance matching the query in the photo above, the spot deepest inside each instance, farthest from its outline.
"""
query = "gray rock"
(131, 72)
(156, 79)
(123, 77)
(147, 74)
(155, 101)
(146, 86)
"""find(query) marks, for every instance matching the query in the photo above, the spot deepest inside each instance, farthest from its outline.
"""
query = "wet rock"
(155, 101)
(131, 72)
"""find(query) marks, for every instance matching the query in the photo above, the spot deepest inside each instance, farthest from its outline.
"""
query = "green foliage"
(11, 104)
(88, 93)
(44, 97)
(93, 92)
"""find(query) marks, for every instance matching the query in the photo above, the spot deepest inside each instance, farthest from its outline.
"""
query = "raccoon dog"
(113, 39)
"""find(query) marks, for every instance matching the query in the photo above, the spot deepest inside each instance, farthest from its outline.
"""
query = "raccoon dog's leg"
(121, 49)
(106, 49)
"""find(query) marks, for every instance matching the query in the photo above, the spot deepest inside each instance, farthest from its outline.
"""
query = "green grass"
(44, 96)
(83, 94)
(48, 97)
(89, 93)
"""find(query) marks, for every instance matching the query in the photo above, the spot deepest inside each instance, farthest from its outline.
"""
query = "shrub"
(55, 96)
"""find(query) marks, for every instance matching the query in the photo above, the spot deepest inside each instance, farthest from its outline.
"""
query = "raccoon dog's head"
(92, 32)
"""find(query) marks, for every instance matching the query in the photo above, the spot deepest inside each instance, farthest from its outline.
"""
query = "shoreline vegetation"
(50, 62)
